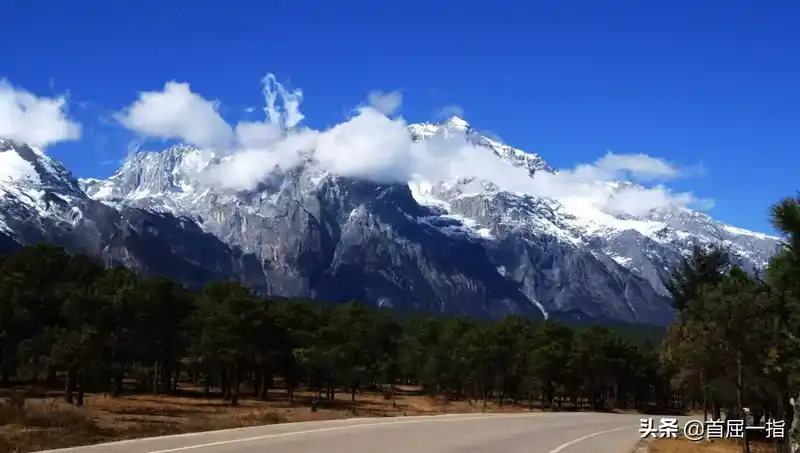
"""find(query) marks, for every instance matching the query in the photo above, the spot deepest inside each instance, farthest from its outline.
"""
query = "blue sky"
(689, 81)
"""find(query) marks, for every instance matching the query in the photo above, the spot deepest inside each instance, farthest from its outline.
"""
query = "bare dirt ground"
(44, 420)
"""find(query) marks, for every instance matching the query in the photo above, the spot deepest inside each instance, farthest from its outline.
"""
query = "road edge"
(643, 446)
(345, 421)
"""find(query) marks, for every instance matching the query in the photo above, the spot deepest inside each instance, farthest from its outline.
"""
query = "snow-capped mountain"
(460, 246)
(40, 201)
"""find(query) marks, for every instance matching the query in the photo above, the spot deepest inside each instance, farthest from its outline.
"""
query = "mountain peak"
(153, 174)
(455, 122)
(457, 126)
(28, 166)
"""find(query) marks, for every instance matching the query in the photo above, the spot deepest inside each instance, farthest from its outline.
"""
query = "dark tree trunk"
(156, 371)
(235, 383)
(69, 386)
(739, 403)
(256, 385)
(165, 376)
(177, 378)
(80, 378)
(225, 383)
(51, 378)
(704, 387)
(266, 383)
(117, 386)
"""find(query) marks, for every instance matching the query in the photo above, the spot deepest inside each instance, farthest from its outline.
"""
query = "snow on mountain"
(646, 246)
(457, 126)
(589, 220)
(33, 184)
(462, 246)
(41, 201)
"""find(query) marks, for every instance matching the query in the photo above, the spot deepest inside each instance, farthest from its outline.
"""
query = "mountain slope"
(322, 236)
(40, 201)
(460, 246)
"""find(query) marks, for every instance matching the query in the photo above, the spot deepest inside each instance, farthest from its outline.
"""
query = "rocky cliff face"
(461, 247)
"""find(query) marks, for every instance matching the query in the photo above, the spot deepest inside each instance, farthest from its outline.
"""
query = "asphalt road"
(463, 433)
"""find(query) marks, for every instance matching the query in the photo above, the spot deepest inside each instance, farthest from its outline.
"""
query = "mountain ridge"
(462, 246)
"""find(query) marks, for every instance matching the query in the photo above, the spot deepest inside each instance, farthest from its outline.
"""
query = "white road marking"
(214, 432)
(336, 428)
(575, 441)
(413, 419)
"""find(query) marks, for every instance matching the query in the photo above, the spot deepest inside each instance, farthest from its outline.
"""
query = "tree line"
(736, 342)
(67, 320)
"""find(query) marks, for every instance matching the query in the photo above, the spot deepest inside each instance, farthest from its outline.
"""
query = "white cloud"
(288, 114)
(37, 121)
(250, 134)
(372, 145)
(635, 167)
(640, 167)
(610, 197)
(449, 111)
(245, 168)
(177, 113)
(599, 185)
(354, 149)
(386, 103)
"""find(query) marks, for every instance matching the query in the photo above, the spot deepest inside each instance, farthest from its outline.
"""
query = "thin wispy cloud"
(492, 135)
(449, 111)
(386, 103)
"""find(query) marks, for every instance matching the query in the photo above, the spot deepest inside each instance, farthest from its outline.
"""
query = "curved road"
(461, 433)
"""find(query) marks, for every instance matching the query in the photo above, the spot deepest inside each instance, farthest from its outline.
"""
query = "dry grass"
(45, 421)
(713, 446)
(41, 420)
